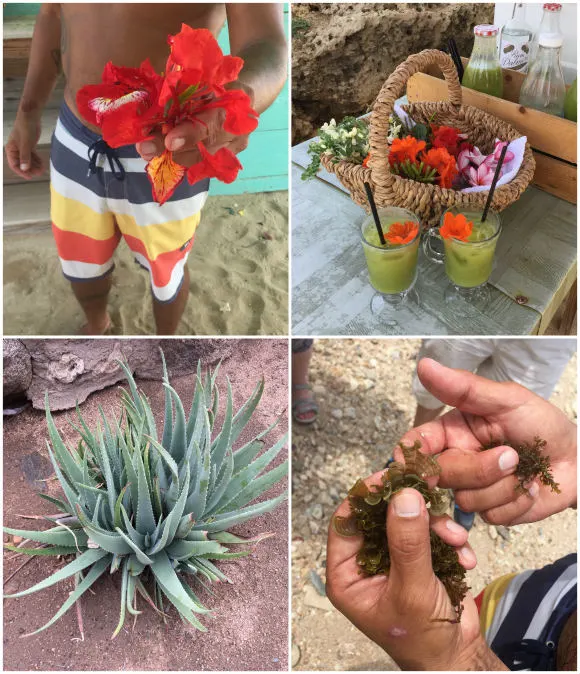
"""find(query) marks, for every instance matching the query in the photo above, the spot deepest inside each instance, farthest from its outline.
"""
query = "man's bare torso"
(125, 34)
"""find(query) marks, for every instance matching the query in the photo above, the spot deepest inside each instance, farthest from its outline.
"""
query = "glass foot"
(386, 307)
(467, 301)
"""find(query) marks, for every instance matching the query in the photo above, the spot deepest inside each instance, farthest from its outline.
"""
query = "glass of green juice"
(468, 264)
(392, 267)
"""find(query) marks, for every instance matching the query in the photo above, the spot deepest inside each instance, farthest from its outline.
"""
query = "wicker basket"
(426, 200)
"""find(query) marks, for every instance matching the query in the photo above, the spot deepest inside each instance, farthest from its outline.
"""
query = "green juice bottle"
(483, 72)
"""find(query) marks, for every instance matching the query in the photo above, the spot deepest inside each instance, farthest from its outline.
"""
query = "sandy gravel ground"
(364, 390)
(238, 269)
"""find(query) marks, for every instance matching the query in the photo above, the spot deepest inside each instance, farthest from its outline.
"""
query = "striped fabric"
(91, 212)
(522, 615)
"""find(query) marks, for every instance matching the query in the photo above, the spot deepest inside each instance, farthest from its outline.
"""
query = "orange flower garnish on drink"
(405, 148)
(401, 233)
(444, 163)
(456, 227)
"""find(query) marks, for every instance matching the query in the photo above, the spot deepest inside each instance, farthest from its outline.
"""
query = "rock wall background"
(71, 369)
(343, 53)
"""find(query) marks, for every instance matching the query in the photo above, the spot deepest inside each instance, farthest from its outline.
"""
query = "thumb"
(467, 391)
(409, 544)
(25, 151)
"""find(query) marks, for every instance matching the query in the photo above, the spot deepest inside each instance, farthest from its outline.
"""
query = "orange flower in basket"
(444, 163)
(400, 233)
(366, 160)
(405, 148)
(456, 227)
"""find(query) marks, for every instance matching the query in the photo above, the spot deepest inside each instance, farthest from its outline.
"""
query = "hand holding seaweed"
(499, 483)
(397, 580)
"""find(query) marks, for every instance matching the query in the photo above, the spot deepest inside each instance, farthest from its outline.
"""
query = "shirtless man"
(91, 209)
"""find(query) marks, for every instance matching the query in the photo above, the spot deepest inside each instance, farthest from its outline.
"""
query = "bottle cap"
(550, 40)
(552, 6)
(486, 30)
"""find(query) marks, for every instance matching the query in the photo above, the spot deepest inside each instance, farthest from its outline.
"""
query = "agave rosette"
(156, 508)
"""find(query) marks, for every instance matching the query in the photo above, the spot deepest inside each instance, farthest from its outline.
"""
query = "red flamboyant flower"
(447, 137)
(132, 104)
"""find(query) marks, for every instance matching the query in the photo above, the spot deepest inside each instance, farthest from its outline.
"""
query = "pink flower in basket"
(468, 158)
(483, 175)
(493, 158)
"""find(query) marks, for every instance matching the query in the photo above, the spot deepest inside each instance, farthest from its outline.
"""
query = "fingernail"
(467, 554)
(176, 143)
(508, 459)
(407, 504)
(534, 489)
(24, 166)
(454, 528)
(148, 148)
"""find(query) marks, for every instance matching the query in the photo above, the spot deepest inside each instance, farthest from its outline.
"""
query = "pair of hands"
(24, 159)
(398, 611)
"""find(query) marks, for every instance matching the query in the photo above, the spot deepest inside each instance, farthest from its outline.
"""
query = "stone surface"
(73, 369)
(17, 368)
(345, 52)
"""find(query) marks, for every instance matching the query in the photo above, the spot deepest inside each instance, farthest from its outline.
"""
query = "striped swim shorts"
(100, 195)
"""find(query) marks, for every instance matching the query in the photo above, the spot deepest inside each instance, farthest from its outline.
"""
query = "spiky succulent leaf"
(156, 507)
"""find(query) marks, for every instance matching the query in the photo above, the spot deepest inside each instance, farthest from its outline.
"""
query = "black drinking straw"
(494, 183)
(375, 213)
(454, 53)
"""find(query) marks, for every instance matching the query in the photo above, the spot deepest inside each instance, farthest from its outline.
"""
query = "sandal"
(304, 406)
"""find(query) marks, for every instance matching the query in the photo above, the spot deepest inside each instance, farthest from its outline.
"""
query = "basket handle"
(392, 89)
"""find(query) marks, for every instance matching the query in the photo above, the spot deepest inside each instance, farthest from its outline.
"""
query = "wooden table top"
(535, 257)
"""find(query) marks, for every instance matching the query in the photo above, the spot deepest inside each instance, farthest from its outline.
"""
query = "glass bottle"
(571, 103)
(550, 23)
(544, 88)
(483, 72)
(516, 35)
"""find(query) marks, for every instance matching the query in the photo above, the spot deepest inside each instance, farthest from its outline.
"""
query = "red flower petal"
(197, 49)
(164, 175)
(223, 165)
(241, 118)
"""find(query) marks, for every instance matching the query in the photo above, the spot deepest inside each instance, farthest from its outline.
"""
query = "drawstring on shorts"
(98, 148)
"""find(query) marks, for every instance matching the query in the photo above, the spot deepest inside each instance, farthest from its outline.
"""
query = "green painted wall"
(265, 161)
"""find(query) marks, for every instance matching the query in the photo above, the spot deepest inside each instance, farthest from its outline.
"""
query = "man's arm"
(257, 35)
(44, 67)
(45, 62)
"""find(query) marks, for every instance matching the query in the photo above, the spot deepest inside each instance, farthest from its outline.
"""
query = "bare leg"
(423, 415)
(93, 296)
(300, 365)
(167, 315)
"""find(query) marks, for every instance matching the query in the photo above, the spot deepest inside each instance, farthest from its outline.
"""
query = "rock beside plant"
(70, 370)
(17, 368)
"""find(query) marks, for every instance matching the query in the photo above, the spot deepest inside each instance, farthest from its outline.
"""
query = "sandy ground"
(250, 626)
(364, 390)
(238, 269)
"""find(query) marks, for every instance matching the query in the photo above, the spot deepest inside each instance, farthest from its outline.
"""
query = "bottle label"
(515, 52)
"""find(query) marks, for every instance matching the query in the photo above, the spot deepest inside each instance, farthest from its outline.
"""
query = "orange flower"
(444, 163)
(366, 160)
(405, 148)
(400, 233)
(456, 227)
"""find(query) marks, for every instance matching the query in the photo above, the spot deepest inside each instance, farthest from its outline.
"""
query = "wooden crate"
(553, 139)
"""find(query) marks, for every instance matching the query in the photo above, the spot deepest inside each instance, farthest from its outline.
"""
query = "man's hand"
(400, 611)
(183, 139)
(488, 411)
(23, 159)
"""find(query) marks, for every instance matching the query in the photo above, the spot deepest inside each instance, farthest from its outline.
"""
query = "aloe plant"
(155, 508)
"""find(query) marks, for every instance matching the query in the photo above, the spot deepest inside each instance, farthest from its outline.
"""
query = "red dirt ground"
(250, 626)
